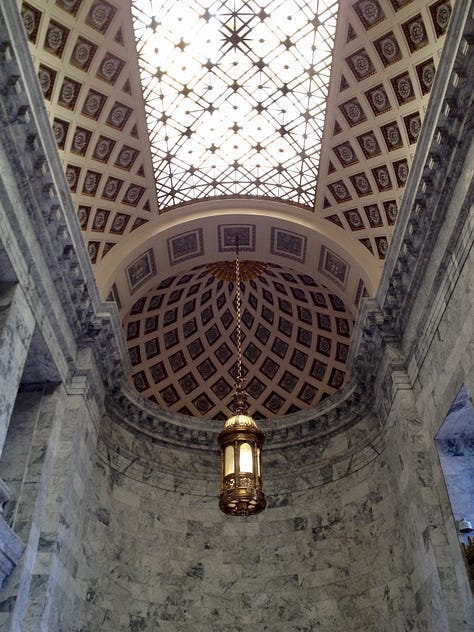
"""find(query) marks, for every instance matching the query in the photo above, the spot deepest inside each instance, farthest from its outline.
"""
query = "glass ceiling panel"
(235, 95)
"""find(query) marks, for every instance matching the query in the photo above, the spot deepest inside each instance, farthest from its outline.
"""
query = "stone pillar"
(26, 469)
(424, 607)
(425, 522)
(16, 330)
(46, 464)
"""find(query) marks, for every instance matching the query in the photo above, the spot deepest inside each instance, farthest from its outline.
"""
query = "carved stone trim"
(330, 417)
(440, 155)
(42, 199)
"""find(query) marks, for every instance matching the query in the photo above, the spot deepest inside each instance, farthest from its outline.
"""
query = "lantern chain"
(238, 300)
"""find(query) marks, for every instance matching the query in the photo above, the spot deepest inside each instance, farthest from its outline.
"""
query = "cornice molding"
(439, 159)
(441, 154)
(330, 417)
(40, 218)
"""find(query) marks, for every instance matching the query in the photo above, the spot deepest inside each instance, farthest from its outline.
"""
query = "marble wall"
(368, 551)
(26, 471)
(16, 330)
(328, 557)
(46, 464)
(119, 517)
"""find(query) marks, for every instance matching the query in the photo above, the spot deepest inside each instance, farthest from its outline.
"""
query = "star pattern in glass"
(235, 95)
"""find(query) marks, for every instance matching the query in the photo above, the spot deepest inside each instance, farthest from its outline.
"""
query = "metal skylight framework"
(235, 94)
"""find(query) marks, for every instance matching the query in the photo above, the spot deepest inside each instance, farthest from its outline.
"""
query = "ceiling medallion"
(225, 270)
(240, 441)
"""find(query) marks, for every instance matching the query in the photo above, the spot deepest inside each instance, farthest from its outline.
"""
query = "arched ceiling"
(182, 338)
(328, 240)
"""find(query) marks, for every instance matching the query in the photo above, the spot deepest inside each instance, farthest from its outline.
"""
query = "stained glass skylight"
(235, 94)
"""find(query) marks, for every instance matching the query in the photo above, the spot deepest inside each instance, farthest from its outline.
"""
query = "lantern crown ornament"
(240, 441)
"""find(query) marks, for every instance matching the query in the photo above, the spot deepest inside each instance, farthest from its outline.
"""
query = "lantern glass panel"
(229, 460)
(246, 458)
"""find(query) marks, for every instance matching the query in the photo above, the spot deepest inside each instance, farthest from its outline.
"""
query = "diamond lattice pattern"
(235, 95)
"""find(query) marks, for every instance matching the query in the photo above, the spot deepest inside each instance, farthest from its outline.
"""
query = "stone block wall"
(329, 557)
(124, 534)
(25, 469)
(46, 465)
(16, 329)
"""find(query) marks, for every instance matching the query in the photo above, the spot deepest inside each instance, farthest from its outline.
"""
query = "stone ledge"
(341, 411)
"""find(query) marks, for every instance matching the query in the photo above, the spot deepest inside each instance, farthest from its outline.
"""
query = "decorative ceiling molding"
(386, 53)
(205, 234)
(296, 334)
(381, 80)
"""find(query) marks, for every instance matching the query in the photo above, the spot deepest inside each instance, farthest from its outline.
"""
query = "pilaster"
(17, 324)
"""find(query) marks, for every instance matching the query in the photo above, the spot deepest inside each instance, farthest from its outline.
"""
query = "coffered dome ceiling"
(292, 130)
(295, 343)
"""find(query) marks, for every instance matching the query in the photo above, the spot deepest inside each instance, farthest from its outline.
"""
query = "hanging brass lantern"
(241, 449)
(241, 442)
